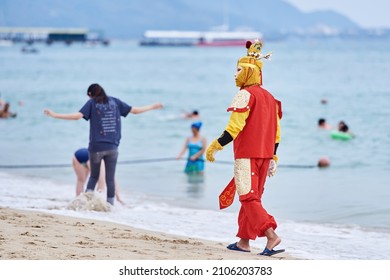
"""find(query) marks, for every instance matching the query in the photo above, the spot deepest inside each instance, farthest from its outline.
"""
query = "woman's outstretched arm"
(72, 116)
(143, 109)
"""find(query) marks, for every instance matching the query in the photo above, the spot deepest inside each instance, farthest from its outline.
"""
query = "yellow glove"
(214, 146)
(273, 165)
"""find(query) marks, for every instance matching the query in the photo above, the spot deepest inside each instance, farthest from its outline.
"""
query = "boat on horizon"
(198, 38)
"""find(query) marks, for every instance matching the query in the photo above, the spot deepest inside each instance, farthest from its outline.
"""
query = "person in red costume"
(254, 128)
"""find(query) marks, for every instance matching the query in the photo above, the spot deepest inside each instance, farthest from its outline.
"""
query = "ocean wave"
(303, 240)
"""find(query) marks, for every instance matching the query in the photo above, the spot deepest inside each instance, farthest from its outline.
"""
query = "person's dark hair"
(321, 121)
(97, 93)
(344, 128)
(195, 112)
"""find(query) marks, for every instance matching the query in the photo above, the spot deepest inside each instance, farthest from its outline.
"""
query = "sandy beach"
(28, 235)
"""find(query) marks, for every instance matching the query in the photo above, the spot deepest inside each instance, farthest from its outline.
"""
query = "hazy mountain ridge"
(129, 19)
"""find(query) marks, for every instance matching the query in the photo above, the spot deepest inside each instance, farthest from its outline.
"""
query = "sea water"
(340, 212)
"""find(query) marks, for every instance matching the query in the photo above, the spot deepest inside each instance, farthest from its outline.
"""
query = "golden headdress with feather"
(251, 65)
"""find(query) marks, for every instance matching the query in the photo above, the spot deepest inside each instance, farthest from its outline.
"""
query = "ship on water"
(198, 38)
(218, 36)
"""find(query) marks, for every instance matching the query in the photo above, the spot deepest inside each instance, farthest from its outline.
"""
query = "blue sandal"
(268, 252)
(234, 247)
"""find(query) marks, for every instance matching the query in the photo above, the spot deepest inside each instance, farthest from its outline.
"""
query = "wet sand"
(29, 235)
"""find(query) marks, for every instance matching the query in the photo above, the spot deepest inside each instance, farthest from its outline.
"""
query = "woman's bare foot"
(244, 244)
(272, 243)
(273, 239)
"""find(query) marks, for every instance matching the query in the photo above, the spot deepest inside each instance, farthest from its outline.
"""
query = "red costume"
(257, 139)
(254, 127)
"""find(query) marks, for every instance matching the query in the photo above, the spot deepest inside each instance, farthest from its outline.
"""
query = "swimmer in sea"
(323, 124)
(194, 115)
(5, 113)
(196, 145)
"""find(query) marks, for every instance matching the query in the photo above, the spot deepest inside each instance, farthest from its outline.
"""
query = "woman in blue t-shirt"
(104, 114)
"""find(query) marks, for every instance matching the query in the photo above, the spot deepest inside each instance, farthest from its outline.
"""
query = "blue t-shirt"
(105, 123)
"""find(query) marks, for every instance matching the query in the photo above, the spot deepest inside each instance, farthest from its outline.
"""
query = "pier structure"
(50, 35)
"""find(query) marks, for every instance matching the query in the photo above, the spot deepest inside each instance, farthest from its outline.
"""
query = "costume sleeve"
(240, 108)
(277, 139)
(236, 123)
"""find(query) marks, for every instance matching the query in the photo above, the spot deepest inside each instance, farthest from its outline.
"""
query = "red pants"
(253, 219)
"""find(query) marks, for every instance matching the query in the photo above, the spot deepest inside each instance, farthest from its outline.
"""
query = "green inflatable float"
(339, 135)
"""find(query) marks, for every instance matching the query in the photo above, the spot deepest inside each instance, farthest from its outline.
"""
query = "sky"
(366, 13)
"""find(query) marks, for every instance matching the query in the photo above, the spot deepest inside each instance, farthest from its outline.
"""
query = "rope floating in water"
(135, 161)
